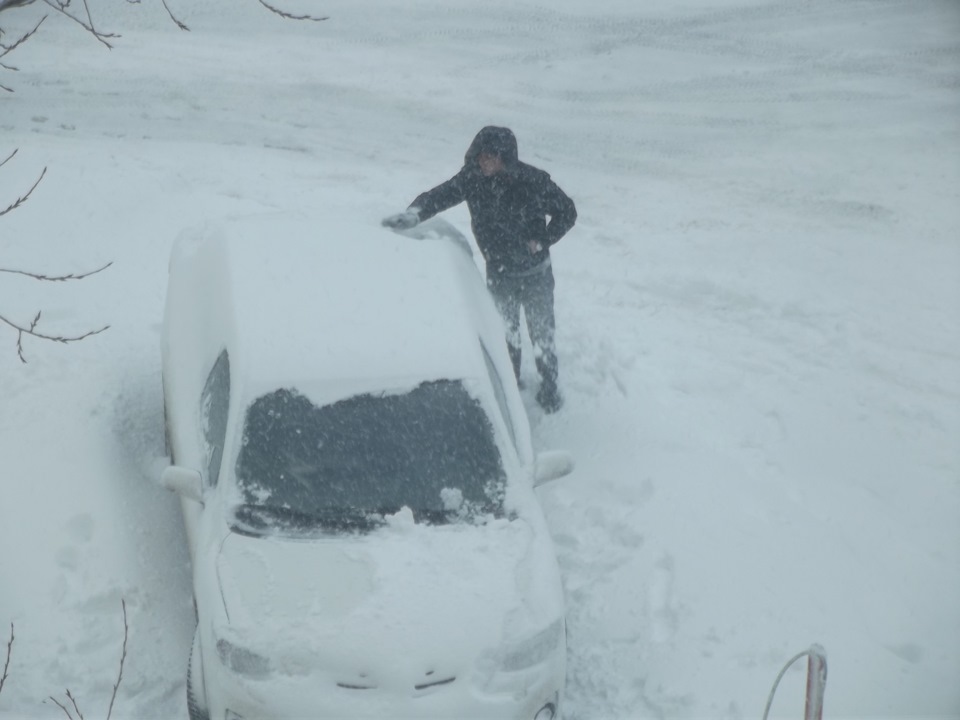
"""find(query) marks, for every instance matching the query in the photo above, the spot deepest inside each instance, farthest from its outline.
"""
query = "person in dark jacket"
(517, 213)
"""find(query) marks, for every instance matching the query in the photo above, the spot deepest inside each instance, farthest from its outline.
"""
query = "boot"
(548, 397)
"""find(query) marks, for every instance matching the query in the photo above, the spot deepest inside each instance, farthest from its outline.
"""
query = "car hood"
(431, 598)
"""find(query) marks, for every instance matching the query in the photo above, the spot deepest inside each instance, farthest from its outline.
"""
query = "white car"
(357, 478)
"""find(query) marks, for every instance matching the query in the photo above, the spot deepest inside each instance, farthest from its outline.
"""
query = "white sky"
(757, 320)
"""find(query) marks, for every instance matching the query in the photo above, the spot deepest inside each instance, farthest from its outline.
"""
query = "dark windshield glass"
(343, 466)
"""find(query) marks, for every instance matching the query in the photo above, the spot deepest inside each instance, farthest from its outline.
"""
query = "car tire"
(196, 700)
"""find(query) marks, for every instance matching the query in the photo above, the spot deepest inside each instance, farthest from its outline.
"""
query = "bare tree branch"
(7, 49)
(123, 657)
(85, 20)
(287, 15)
(62, 7)
(6, 665)
(21, 200)
(32, 331)
(7, 4)
(57, 278)
(62, 707)
(178, 23)
(70, 696)
(74, 701)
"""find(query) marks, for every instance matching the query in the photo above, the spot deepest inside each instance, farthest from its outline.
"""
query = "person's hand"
(402, 221)
(535, 246)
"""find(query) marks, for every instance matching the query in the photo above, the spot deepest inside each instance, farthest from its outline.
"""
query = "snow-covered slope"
(757, 318)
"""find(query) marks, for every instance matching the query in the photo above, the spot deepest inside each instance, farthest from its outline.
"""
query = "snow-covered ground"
(758, 311)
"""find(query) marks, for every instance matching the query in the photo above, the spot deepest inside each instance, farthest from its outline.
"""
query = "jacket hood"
(496, 141)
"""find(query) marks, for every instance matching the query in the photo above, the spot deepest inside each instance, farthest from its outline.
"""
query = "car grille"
(433, 683)
(355, 686)
(362, 682)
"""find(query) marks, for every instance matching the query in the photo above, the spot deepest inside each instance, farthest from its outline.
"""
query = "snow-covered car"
(357, 478)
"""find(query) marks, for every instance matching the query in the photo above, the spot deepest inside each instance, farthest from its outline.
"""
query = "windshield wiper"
(260, 519)
(435, 517)
(345, 518)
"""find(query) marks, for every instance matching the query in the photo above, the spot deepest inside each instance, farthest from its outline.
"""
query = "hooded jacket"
(508, 209)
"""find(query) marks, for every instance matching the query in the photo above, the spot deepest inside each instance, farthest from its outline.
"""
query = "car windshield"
(344, 466)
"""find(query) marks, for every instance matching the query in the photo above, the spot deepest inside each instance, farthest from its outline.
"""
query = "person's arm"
(442, 197)
(560, 208)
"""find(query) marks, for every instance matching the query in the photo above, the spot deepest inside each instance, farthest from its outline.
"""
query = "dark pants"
(534, 293)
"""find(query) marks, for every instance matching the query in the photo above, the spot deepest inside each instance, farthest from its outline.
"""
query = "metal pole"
(816, 682)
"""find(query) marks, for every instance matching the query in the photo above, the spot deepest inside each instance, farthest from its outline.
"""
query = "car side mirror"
(551, 465)
(183, 481)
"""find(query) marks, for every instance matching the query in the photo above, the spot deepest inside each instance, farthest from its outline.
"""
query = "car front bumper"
(531, 694)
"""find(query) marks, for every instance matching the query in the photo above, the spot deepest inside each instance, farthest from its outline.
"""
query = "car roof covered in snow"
(347, 303)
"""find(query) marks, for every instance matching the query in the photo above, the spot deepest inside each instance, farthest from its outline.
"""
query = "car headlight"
(534, 650)
(242, 661)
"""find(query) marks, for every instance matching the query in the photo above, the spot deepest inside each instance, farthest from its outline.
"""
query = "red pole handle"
(816, 683)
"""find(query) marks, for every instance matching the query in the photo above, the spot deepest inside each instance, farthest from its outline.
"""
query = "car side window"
(214, 406)
(499, 393)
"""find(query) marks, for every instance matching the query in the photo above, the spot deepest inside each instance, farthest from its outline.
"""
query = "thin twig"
(6, 665)
(7, 49)
(62, 707)
(21, 200)
(57, 278)
(289, 16)
(74, 701)
(173, 17)
(123, 657)
(7, 4)
(21, 331)
(70, 697)
(86, 8)
(62, 8)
